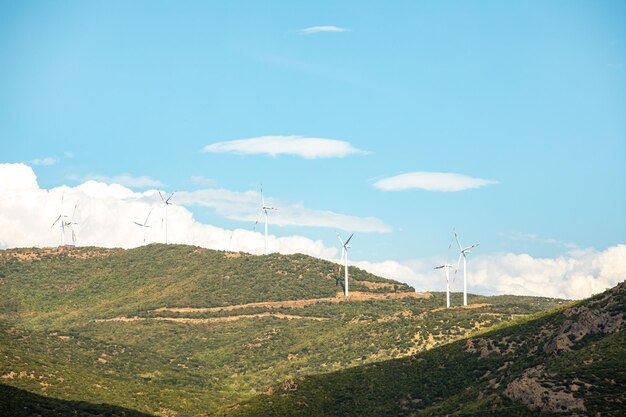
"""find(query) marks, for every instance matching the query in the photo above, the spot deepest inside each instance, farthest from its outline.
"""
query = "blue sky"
(530, 95)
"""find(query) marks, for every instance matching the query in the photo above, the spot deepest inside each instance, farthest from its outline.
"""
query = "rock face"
(537, 389)
(537, 394)
(603, 315)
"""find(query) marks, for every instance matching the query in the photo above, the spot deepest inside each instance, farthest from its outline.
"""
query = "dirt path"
(469, 306)
(214, 319)
(354, 296)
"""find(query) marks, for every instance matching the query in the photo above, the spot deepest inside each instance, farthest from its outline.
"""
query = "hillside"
(179, 330)
(570, 361)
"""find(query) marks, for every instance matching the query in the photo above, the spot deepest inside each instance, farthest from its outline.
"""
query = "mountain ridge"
(189, 330)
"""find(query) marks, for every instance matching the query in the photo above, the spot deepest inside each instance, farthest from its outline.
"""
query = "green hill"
(179, 330)
(570, 361)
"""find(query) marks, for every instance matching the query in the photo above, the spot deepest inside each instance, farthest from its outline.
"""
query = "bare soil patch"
(354, 296)
(215, 319)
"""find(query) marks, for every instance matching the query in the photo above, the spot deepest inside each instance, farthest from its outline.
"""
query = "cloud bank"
(106, 213)
(431, 181)
(321, 29)
(577, 274)
(309, 148)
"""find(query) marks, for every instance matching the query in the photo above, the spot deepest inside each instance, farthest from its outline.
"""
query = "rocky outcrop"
(602, 315)
(539, 395)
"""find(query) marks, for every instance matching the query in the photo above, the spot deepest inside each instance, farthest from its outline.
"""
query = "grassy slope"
(569, 361)
(58, 291)
(47, 308)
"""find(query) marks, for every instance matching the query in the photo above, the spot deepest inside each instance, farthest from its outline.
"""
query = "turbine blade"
(161, 195)
(456, 236)
(168, 198)
(340, 240)
(138, 224)
(148, 216)
(74, 212)
(55, 222)
(262, 199)
(259, 219)
(350, 238)
(458, 263)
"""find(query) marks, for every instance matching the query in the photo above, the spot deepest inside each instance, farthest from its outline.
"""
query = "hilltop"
(569, 361)
(180, 330)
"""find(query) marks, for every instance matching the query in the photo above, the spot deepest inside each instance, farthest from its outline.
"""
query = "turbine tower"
(144, 225)
(446, 267)
(167, 203)
(463, 254)
(344, 257)
(264, 209)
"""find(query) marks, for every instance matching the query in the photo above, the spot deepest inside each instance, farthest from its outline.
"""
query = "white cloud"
(126, 180)
(245, 206)
(197, 179)
(320, 29)
(309, 148)
(577, 274)
(47, 161)
(105, 218)
(431, 181)
(17, 176)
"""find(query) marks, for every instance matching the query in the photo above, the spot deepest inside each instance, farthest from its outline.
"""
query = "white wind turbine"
(344, 257)
(144, 225)
(463, 254)
(446, 267)
(63, 224)
(166, 201)
(264, 209)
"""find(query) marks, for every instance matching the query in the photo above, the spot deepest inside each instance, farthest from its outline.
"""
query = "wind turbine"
(167, 203)
(63, 223)
(144, 225)
(446, 267)
(344, 257)
(264, 209)
(463, 254)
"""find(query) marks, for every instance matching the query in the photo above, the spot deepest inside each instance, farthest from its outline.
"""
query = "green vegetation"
(569, 361)
(62, 333)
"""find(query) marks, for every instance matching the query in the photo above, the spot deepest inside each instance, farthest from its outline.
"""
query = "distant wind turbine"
(463, 254)
(264, 209)
(63, 224)
(344, 257)
(144, 225)
(166, 201)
